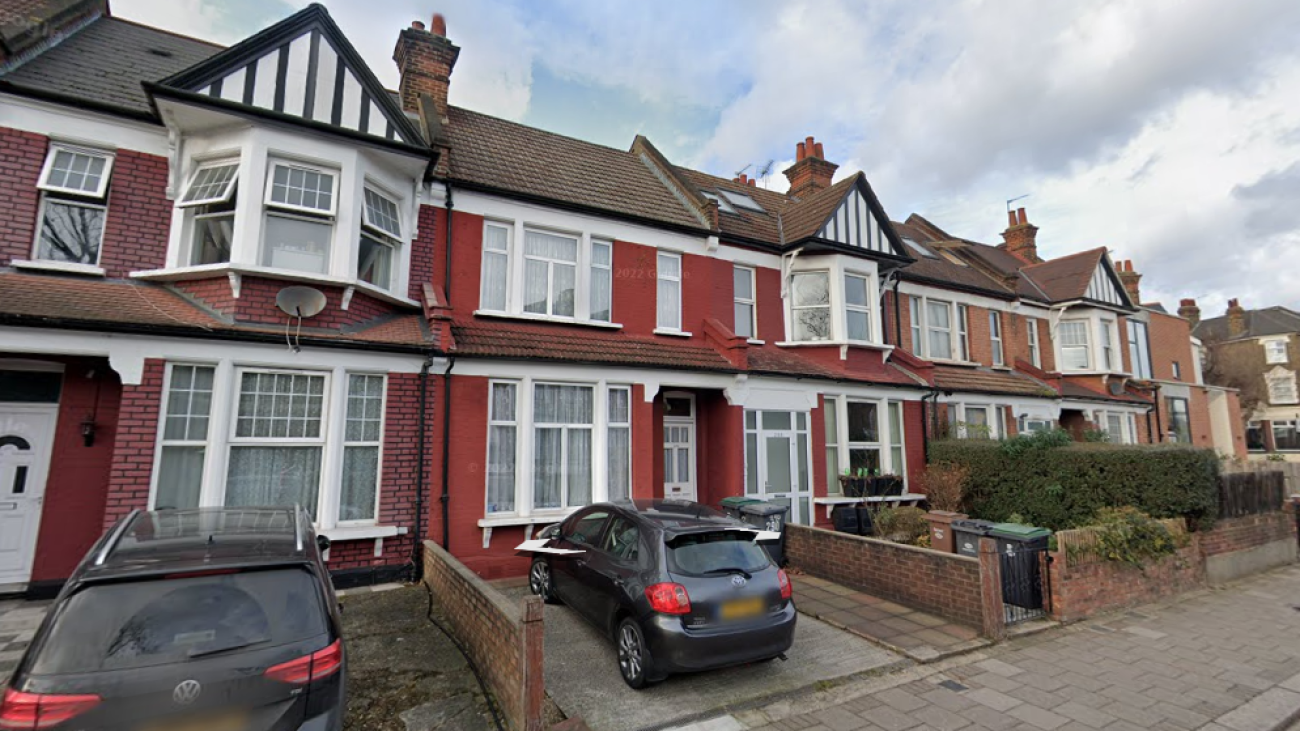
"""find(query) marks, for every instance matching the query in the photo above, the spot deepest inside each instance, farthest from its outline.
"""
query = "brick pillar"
(133, 450)
(534, 678)
(995, 618)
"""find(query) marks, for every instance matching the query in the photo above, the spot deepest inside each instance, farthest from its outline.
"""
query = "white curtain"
(547, 468)
(180, 474)
(601, 274)
(273, 476)
(557, 404)
(360, 472)
(579, 467)
(620, 462)
(572, 407)
(536, 286)
(501, 469)
(496, 260)
(669, 294)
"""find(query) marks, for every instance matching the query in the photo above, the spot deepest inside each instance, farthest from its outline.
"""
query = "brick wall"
(504, 639)
(139, 215)
(133, 450)
(940, 583)
(1240, 534)
(256, 302)
(21, 157)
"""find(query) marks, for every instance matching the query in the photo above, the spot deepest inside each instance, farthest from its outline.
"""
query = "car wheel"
(634, 662)
(539, 581)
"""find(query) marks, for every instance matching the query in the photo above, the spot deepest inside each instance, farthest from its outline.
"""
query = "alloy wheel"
(629, 653)
(539, 579)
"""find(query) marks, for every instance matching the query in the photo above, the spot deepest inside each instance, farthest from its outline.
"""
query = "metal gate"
(1026, 583)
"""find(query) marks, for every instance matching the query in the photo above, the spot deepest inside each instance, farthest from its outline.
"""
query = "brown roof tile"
(985, 380)
(1065, 277)
(540, 341)
(937, 268)
(1070, 389)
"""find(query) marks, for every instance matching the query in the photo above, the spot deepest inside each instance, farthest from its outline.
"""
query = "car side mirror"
(323, 543)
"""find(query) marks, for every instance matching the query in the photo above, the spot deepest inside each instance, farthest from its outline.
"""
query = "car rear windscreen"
(142, 623)
(704, 553)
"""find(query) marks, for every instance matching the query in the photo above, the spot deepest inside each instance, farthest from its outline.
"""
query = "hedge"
(1065, 487)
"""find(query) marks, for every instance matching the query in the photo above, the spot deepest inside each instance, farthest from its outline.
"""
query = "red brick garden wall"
(940, 583)
(504, 639)
(1251, 531)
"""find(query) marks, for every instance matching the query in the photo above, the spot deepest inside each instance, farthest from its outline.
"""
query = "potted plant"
(855, 485)
(887, 485)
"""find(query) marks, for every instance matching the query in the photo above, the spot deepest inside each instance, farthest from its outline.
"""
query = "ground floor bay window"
(977, 421)
(240, 436)
(552, 447)
(862, 435)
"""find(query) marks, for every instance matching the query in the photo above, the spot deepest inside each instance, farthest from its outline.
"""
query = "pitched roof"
(1070, 389)
(937, 268)
(106, 62)
(539, 341)
(1259, 323)
(743, 223)
(38, 299)
(508, 156)
(987, 380)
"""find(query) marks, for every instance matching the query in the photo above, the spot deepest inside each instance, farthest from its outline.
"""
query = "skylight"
(723, 205)
(919, 249)
(742, 200)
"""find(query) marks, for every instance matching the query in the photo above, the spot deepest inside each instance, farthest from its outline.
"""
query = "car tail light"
(786, 590)
(29, 711)
(309, 668)
(668, 598)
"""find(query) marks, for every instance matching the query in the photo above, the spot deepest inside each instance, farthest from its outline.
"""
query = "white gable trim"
(854, 224)
(1102, 287)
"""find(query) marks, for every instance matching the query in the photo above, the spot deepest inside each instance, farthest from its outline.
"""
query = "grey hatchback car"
(678, 586)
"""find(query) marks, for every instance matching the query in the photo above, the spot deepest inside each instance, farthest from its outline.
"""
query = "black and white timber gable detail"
(1105, 287)
(859, 222)
(303, 69)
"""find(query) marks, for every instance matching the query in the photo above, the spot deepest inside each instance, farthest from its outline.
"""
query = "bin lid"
(764, 509)
(1020, 532)
(972, 525)
(736, 501)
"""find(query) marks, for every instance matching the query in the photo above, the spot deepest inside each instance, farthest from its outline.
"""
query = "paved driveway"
(582, 675)
(18, 623)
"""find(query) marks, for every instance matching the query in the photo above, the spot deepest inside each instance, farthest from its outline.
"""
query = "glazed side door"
(583, 533)
(613, 570)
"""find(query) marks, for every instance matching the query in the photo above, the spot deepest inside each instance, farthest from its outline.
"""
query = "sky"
(1167, 131)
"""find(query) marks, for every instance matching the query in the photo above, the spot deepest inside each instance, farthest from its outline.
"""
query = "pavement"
(19, 621)
(1225, 659)
(582, 674)
(919, 636)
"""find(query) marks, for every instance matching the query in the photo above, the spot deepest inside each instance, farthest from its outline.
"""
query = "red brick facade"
(133, 451)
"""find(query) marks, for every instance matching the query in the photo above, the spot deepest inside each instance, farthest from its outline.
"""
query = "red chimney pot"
(800, 152)
(1187, 303)
(1020, 216)
(439, 25)
(753, 182)
(820, 154)
(417, 25)
(1011, 218)
(810, 145)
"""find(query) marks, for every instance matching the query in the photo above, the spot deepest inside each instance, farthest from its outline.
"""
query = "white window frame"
(751, 302)
(886, 442)
(995, 415)
(1062, 362)
(1111, 361)
(224, 193)
(795, 307)
(595, 269)
(551, 264)
(223, 421)
(963, 333)
(995, 338)
(1139, 349)
(661, 277)
(507, 254)
(1127, 426)
(74, 203)
(525, 436)
(1280, 378)
(958, 328)
(610, 427)
(1275, 351)
(100, 192)
(379, 463)
(273, 163)
(164, 442)
(366, 220)
(1186, 412)
(516, 231)
(932, 329)
(1035, 350)
(864, 309)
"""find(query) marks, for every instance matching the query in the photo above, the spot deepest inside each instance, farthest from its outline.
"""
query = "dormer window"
(381, 232)
(211, 197)
(74, 185)
(299, 218)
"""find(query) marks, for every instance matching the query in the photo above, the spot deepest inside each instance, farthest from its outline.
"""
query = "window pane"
(669, 304)
(381, 212)
(863, 424)
(620, 463)
(669, 265)
(273, 476)
(496, 238)
(211, 184)
(830, 410)
(296, 243)
(864, 459)
(811, 324)
(744, 320)
(779, 477)
(858, 324)
(280, 405)
(70, 232)
(618, 405)
(212, 237)
(76, 171)
(811, 289)
(939, 315)
(189, 402)
(547, 469)
(551, 246)
(579, 467)
(294, 186)
(776, 420)
(365, 402)
(833, 470)
(801, 462)
(360, 483)
(562, 298)
(600, 292)
(555, 404)
(601, 254)
(751, 464)
(855, 290)
(895, 423)
(501, 469)
(180, 475)
(375, 262)
(503, 402)
(743, 282)
(1074, 333)
(940, 344)
(536, 285)
(494, 281)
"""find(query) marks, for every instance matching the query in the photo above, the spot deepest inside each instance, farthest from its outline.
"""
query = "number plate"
(228, 722)
(742, 608)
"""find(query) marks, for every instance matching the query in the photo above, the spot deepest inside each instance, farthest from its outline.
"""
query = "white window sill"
(546, 518)
(831, 502)
(65, 267)
(547, 318)
(175, 274)
(756, 341)
(361, 532)
(833, 343)
(673, 333)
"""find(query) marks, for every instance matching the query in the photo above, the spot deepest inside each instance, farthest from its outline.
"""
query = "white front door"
(777, 459)
(679, 447)
(26, 439)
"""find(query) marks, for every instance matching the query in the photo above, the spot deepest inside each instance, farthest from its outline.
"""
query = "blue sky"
(1165, 130)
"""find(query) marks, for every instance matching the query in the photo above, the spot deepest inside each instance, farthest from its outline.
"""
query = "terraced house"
(250, 275)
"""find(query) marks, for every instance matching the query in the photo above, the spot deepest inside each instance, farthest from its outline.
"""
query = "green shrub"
(903, 525)
(1133, 537)
(1061, 487)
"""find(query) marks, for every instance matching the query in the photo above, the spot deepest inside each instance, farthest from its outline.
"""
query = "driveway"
(18, 623)
(582, 675)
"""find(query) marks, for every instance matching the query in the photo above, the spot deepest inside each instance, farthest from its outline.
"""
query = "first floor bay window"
(554, 446)
(279, 444)
(811, 306)
(1075, 352)
(299, 222)
(381, 232)
(209, 202)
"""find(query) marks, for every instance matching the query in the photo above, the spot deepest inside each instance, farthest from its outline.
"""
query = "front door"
(26, 439)
(777, 460)
(679, 447)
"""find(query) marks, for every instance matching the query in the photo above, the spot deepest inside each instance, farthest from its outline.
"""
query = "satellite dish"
(300, 301)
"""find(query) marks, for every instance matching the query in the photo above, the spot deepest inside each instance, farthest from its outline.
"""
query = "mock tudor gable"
(1105, 287)
(855, 223)
(302, 69)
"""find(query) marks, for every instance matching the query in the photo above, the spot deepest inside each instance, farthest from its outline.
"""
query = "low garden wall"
(1238, 547)
(503, 638)
(944, 584)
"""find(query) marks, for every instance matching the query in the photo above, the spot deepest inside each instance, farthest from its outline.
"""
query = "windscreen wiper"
(740, 571)
(201, 652)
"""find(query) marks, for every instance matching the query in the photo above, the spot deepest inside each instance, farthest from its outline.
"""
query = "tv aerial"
(298, 302)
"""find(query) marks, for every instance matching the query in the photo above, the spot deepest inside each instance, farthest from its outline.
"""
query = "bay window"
(857, 307)
(995, 337)
(1076, 354)
(744, 299)
(298, 225)
(555, 446)
(668, 275)
(810, 308)
(1120, 428)
(1139, 349)
(209, 201)
(381, 232)
(863, 436)
(277, 445)
(74, 205)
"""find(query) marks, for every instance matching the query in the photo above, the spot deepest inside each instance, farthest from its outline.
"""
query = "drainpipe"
(446, 273)
(446, 451)
(1160, 428)
(925, 421)
(898, 316)
(417, 553)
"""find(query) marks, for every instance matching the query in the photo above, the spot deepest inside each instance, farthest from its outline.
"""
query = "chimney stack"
(1130, 280)
(425, 59)
(810, 171)
(1021, 237)
(1188, 310)
(1236, 319)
